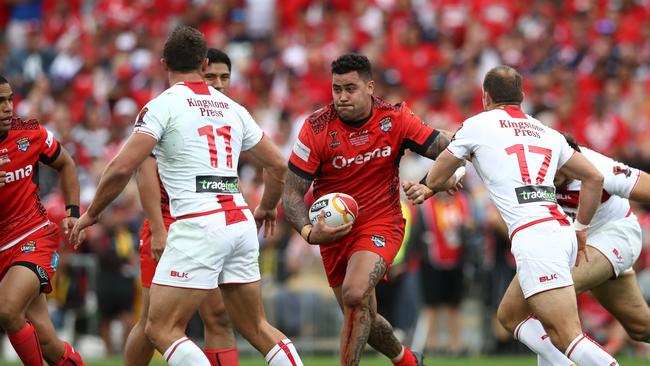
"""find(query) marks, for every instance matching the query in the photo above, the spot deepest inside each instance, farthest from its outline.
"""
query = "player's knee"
(218, 321)
(152, 331)
(355, 296)
(504, 316)
(11, 316)
(639, 331)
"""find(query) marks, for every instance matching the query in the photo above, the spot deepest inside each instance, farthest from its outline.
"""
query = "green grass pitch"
(377, 361)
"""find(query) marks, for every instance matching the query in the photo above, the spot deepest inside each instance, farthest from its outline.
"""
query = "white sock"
(183, 352)
(283, 354)
(585, 351)
(531, 333)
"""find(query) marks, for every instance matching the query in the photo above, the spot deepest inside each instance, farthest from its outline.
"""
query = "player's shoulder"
(319, 119)
(19, 124)
(383, 106)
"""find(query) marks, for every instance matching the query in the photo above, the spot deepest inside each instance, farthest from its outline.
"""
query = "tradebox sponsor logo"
(527, 194)
(216, 184)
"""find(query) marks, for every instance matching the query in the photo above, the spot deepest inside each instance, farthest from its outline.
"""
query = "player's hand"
(3, 174)
(321, 233)
(457, 188)
(68, 223)
(581, 235)
(416, 192)
(77, 234)
(158, 243)
(265, 218)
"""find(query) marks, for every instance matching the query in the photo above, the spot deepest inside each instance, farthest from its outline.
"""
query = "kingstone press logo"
(216, 184)
(527, 194)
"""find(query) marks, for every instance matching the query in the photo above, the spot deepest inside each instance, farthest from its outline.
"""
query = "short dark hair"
(185, 49)
(3, 80)
(504, 85)
(216, 56)
(353, 62)
(572, 142)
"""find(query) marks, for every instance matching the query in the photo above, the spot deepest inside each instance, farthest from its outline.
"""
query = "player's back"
(517, 157)
(201, 134)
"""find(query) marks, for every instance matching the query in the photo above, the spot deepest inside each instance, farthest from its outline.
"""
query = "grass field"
(376, 361)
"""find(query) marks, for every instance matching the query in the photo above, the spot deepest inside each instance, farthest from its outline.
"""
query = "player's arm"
(115, 177)
(69, 181)
(442, 171)
(591, 186)
(274, 174)
(149, 188)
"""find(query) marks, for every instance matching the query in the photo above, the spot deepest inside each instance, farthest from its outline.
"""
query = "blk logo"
(548, 278)
(180, 274)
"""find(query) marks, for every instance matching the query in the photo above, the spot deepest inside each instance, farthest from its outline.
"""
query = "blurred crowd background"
(84, 68)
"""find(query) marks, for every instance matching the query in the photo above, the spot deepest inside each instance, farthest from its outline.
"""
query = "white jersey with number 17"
(517, 157)
(200, 134)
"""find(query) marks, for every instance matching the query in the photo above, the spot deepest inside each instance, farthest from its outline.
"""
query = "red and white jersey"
(200, 134)
(517, 157)
(21, 211)
(362, 160)
(619, 182)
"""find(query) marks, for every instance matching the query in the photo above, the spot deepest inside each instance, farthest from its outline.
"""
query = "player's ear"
(204, 66)
(164, 64)
(370, 86)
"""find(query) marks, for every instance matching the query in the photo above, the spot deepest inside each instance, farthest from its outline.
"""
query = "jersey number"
(518, 150)
(209, 132)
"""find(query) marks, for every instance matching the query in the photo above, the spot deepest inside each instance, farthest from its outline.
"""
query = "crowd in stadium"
(85, 68)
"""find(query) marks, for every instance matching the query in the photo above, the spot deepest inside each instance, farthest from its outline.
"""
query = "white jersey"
(200, 134)
(620, 179)
(517, 157)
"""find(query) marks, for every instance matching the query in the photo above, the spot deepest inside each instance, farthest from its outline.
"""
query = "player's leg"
(138, 350)
(623, 299)
(18, 288)
(515, 316)
(220, 346)
(170, 309)
(593, 273)
(244, 305)
(55, 351)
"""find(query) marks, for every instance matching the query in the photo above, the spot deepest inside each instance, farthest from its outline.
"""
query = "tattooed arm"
(297, 213)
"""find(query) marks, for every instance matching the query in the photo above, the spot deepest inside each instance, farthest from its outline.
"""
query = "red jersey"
(21, 211)
(361, 160)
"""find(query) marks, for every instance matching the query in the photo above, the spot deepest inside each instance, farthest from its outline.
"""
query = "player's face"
(352, 96)
(6, 107)
(217, 75)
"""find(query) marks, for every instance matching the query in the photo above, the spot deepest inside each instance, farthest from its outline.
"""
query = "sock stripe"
(568, 354)
(519, 326)
(178, 343)
(287, 351)
(597, 344)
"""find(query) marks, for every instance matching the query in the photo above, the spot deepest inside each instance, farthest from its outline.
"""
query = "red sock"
(25, 343)
(223, 357)
(408, 359)
(70, 357)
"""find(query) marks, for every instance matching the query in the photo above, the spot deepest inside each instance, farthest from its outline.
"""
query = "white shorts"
(203, 252)
(545, 254)
(620, 241)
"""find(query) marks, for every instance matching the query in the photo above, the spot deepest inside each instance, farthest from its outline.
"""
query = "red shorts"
(383, 238)
(38, 252)
(147, 264)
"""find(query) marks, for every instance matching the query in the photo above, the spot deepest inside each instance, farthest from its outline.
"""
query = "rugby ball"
(339, 209)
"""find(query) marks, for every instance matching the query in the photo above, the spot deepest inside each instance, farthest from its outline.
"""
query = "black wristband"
(424, 180)
(72, 211)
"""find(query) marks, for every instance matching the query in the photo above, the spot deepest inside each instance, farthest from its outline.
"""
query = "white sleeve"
(566, 151)
(621, 179)
(252, 132)
(153, 119)
(463, 142)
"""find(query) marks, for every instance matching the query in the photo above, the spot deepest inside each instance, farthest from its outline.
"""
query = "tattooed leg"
(365, 269)
(383, 339)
